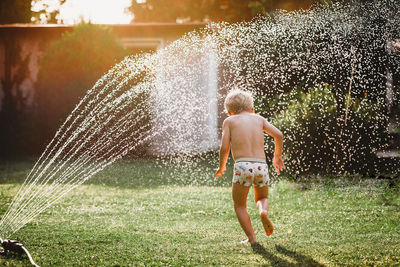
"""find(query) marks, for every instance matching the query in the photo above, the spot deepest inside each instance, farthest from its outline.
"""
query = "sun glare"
(95, 11)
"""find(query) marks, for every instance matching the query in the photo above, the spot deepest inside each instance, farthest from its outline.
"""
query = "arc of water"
(120, 153)
(92, 167)
(78, 175)
(96, 147)
(46, 154)
(54, 170)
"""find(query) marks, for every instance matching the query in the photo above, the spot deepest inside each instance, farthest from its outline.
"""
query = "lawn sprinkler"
(15, 247)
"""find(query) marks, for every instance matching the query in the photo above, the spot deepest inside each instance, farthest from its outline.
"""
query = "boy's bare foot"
(268, 227)
(245, 242)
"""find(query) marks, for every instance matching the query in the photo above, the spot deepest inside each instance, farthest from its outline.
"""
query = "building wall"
(30, 47)
(2, 70)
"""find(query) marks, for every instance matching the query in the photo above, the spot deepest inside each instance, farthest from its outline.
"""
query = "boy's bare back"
(246, 135)
(243, 134)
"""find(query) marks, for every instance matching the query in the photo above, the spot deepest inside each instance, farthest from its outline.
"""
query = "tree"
(20, 11)
(209, 10)
(42, 12)
(15, 11)
(69, 67)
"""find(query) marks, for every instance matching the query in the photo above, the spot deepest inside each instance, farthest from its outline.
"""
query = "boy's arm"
(224, 149)
(278, 137)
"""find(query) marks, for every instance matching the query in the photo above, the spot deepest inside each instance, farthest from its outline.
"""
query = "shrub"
(317, 140)
(69, 67)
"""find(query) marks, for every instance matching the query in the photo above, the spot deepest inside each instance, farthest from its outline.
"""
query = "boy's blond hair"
(237, 101)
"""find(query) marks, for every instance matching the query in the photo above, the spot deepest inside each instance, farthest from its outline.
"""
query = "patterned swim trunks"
(248, 171)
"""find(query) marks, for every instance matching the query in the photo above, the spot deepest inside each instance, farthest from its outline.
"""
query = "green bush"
(69, 67)
(316, 138)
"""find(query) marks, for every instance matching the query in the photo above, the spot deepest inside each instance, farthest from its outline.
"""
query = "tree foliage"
(69, 67)
(44, 13)
(209, 10)
(20, 11)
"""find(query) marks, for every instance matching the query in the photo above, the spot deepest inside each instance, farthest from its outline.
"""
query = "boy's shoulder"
(239, 117)
(231, 119)
(227, 121)
(259, 116)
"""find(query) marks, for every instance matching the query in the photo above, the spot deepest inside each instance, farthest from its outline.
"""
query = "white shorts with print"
(248, 171)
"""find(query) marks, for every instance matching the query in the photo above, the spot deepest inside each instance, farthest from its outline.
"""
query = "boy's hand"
(278, 164)
(219, 172)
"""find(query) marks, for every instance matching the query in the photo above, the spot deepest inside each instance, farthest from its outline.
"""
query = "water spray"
(15, 247)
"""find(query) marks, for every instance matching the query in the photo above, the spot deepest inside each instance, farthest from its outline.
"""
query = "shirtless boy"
(243, 134)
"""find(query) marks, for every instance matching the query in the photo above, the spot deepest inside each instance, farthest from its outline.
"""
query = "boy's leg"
(239, 195)
(261, 198)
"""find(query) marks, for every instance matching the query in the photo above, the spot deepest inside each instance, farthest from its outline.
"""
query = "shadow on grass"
(274, 260)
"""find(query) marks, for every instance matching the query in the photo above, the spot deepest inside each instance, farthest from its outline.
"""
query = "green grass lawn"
(135, 214)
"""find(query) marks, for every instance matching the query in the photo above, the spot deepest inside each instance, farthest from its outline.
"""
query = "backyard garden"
(113, 162)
